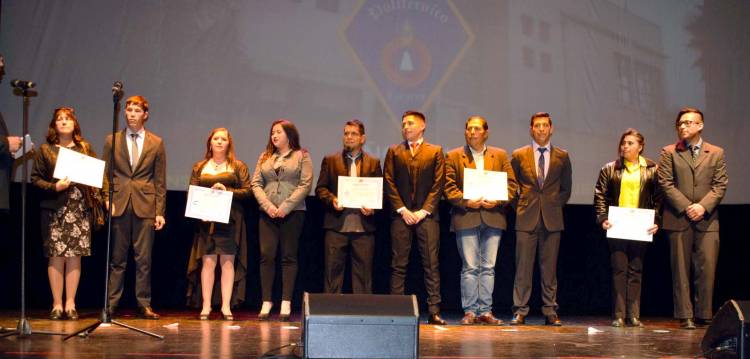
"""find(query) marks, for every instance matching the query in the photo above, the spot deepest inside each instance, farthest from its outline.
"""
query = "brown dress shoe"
(618, 323)
(553, 320)
(468, 319)
(147, 313)
(435, 319)
(635, 322)
(518, 319)
(489, 319)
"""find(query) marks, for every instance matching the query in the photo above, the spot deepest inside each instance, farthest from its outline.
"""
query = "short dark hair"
(358, 123)
(484, 122)
(540, 115)
(685, 110)
(414, 113)
(632, 132)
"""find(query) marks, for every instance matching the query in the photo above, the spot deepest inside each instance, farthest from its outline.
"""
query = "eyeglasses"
(688, 123)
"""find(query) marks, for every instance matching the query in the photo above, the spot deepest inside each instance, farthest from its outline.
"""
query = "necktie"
(694, 150)
(414, 146)
(540, 169)
(134, 149)
(353, 167)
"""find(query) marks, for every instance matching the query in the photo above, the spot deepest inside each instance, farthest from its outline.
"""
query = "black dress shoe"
(687, 323)
(284, 317)
(147, 313)
(56, 314)
(71, 314)
(635, 322)
(552, 320)
(618, 323)
(435, 319)
(518, 319)
(263, 316)
(702, 322)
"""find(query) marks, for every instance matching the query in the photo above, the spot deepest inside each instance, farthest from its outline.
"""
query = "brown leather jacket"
(607, 190)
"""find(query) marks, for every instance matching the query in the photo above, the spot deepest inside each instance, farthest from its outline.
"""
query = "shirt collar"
(349, 155)
(141, 133)
(418, 142)
(480, 153)
(535, 146)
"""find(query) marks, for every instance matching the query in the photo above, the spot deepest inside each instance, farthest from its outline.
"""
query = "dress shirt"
(547, 155)
(139, 142)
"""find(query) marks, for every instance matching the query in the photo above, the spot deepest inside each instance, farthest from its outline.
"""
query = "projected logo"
(407, 48)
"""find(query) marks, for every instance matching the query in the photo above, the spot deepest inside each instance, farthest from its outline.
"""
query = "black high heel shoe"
(228, 317)
(204, 316)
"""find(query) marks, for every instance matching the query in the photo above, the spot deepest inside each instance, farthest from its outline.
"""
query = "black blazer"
(6, 165)
(415, 182)
(45, 159)
(333, 166)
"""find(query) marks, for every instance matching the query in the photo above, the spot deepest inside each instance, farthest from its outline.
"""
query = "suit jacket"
(684, 183)
(546, 203)
(462, 217)
(6, 166)
(144, 185)
(287, 188)
(415, 182)
(333, 166)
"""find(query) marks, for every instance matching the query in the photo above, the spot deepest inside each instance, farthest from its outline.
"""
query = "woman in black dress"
(215, 242)
(66, 212)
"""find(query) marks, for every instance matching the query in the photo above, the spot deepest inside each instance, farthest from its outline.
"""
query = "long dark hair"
(54, 139)
(291, 133)
(210, 153)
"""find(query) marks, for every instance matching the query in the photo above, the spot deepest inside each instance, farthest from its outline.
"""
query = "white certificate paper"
(208, 204)
(358, 192)
(491, 185)
(79, 168)
(630, 223)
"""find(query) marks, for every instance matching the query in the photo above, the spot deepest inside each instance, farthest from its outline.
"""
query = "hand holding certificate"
(79, 168)
(630, 223)
(208, 204)
(360, 192)
(490, 185)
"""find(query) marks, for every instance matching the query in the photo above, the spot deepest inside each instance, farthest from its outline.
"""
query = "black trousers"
(337, 247)
(527, 243)
(428, 239)
(699, 250)
(626, 258)
(130, 230)
(283, 233)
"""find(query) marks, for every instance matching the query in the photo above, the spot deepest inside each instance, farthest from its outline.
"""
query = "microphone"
(117, 88)
(21, 84)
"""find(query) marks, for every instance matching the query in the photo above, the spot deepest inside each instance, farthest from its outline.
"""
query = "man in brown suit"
(348, 227)
(544, 176)
(693, 177)
(414, 176)
(479, 223)
(139, 200)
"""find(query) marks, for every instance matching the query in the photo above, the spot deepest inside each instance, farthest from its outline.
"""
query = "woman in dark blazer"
(222, 243)
(629, 182)
(281, 182)
(66, 212)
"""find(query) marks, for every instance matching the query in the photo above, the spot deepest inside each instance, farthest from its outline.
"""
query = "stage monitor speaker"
(727, 337)
(360, 326)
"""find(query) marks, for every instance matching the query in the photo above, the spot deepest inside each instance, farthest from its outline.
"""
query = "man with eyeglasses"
(693, 177)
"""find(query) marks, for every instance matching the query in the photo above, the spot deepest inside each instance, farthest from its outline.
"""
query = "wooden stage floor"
(185, 336)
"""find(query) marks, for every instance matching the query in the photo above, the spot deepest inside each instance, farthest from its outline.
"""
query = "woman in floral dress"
(66, 212)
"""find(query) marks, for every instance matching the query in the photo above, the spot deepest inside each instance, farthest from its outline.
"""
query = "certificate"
(208, 204)
(79, 168)
(630, 223)
(359, 192)
(490, 185)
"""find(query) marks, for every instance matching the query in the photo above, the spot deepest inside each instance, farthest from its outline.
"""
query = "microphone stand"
(106, 317)
(23, 329)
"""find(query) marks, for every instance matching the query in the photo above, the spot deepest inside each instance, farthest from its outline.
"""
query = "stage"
(185, 336)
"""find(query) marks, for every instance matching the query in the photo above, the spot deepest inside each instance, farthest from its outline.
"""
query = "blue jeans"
(478, 249)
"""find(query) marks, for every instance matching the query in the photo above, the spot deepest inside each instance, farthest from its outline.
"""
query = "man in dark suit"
(8, 146)
(348, 227)
(479, 222)
(414, 176)
(693, 177)
(140, 165)
(544, 176)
